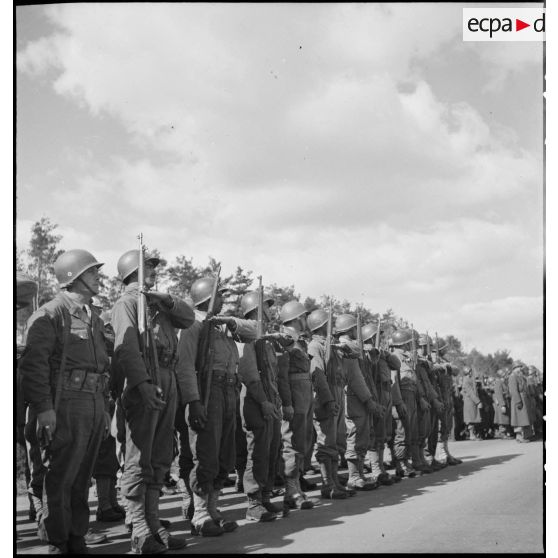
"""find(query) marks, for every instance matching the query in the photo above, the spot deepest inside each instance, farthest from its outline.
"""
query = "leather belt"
(79, 379)
(223, 378)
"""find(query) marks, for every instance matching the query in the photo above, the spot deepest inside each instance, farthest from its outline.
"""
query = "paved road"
(493, 502)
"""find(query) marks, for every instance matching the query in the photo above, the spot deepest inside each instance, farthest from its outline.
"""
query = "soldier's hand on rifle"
(268, 410)
(424, 405)
(108, 420)
(196, 416)
(164, 300)
(229, 321)
(332, 408)
(519, 405)
(151, 396)
(402, 411)
(46, 426)
(439, 406)
(504, 409)
(479, 405)
(288, 412)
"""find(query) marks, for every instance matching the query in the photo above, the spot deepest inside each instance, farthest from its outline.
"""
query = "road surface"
(493, 502)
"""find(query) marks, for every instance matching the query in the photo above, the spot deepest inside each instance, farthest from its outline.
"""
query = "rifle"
(145, 326)
(413, 348)
(208, 368)
(377, 340)
(329, 341)
(261, 340)
(428, 349)
(359, 336)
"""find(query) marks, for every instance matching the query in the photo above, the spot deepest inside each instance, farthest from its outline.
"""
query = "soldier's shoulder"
(51, 310)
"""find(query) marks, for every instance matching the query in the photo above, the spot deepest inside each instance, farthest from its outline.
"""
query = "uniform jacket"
(128, 366)
(518, 387)
(501, 398)
(40, 362)
(471, 412)
(426, 388)
(407, 374)
(260, 382)
(357, 389)
(324, 379)
(226, 355)
(394, 365)
(294, 360)
(445, 383)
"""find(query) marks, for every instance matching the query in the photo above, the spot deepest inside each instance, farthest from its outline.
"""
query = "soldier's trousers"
(331, 432)
(149, 438)
(263, 439)
(296, 434)
(213, 448)
(435, 420)
(383, 426)
(241, 442)
(71, 456)
(185, 460)
(359, 424)
(446, 421)
(37, 469)
(424, 418)
(406, 431)
(107, 464)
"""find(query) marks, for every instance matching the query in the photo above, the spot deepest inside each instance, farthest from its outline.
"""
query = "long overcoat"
(471, 411)
(518, 392)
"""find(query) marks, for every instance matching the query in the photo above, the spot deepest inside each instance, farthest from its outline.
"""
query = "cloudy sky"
(362, 150)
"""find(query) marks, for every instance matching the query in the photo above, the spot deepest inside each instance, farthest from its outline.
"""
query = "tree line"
(177, 277)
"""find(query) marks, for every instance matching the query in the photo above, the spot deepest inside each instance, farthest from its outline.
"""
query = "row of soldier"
(312, 379)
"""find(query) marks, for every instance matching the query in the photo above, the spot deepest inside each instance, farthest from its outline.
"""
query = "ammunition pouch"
(79, 379)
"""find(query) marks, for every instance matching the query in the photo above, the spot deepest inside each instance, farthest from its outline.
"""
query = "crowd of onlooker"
(508, 405)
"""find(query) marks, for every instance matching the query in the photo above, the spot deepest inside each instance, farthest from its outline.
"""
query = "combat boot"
(441, 454)
(368, 483)
(472, 434)
(305, 484)
(268, 504)
(375, 458)
(256, 510)
(202, 522)
(391, 465)
(451, 459)
(357, 481)
(293, 498)
(105, 509)
(385, 478)
(239, 484)
(417, 462)
(147, 544)
(328, 489)
(113, 496)
(337, 481)
(403, 468)
(152, 496)
(187, 502)
(143, 541)
(215, 513)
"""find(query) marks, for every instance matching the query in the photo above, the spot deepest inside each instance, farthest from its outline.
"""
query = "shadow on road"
(278, 534)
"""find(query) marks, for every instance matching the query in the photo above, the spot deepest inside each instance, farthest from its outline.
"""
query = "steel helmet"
(345, 322)
(202, 289)
(129, 262)
(71, 264)
(424, 340)
(26, 290)
(317, 319)
(292, 310)
(401, 337)
(369, 331)
(250, 302)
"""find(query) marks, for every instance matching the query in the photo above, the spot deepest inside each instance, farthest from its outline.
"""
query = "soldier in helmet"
(147, 388)
(260, 409)
(329, 381)
(361, 404)
(63, 382)
(295, 389)
(382, 365)
(445, 383)
(406, 438)
(429, 427)
(211, 429)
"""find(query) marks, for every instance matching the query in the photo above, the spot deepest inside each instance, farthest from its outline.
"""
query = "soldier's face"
(91, 279)
(218, 305)
(150, 275)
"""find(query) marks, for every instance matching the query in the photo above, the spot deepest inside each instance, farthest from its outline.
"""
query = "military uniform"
(149, 432)
(258, 371)
(427, 401)
(80, 418)
(501, 399)
(295, 388)
(406, 438)
(213, 447)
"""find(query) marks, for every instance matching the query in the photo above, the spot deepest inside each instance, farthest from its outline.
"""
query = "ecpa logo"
(503, 24)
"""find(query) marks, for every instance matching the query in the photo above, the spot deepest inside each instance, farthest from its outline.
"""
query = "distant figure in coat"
(471, 404)
(520, 419)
